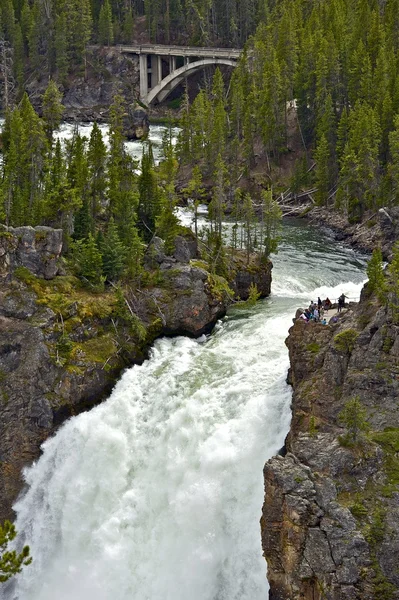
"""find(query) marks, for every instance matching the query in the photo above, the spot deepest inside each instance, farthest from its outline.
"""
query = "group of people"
(316, 311)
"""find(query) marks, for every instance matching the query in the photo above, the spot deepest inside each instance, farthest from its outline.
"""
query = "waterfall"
(156, 494)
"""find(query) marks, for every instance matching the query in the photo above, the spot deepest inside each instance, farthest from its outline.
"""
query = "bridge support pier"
(143, 78)
(172, 64)
(156, 70)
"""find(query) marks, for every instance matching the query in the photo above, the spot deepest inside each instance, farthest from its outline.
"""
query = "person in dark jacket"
(341, 302)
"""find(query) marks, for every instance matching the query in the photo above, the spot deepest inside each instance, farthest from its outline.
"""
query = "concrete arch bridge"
(162, 68)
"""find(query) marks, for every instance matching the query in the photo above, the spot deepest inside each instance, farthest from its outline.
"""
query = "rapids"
(156, 494)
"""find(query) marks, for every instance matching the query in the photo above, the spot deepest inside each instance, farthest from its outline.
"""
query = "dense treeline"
(91, 190)
(337, 62)
(108, 208)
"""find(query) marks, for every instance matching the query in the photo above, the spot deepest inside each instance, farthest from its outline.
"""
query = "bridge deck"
(162, 50)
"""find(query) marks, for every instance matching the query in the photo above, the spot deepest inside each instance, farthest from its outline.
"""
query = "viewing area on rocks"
(162, 68)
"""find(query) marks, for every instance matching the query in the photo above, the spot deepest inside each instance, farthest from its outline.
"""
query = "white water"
(157, 493)
(134, 148)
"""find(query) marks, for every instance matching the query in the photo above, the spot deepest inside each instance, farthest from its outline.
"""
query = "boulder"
(137, 124)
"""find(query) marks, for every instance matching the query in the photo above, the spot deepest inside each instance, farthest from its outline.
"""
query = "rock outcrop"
(255, 272)
(88, 94)
(35, 248)
(330, 526)
(137, 124)
(377, 229)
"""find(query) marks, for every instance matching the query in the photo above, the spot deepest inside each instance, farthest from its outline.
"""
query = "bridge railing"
(180, 50)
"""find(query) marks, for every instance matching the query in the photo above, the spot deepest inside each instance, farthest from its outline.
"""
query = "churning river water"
(156, 494)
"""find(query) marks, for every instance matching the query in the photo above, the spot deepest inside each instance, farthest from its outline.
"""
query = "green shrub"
(313, 347)
(345, 341)
(353, 417)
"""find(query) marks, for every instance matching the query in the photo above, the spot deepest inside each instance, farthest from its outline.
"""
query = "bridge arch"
(162, 90)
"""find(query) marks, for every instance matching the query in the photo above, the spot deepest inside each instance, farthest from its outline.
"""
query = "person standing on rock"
(341, 302)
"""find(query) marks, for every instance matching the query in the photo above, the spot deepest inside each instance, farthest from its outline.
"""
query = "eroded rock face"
(380, 229)
(329, 527)
(35, 248)
(258, 272)
(108, 73)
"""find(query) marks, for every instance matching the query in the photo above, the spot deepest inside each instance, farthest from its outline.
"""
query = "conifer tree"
(128, 26)
(26, 24)
(90, 262)
(121, 178)
(271, 216)
(113, 253)
(52, 108)
(196, 193)
(322, 157)
(134, 250)
(353, 416)
(60, 47)
(11, 561)
(105, 27)
(393, 285)
(96, 161)
(149, 204)
(393, 167)
(375, 273)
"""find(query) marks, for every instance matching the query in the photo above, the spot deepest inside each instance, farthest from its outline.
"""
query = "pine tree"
(60, 47)
(248, 224)
(90, 262)
(375, 274)
(128, 26)
(219, 197)
(52, 108)
(393, 284)
(271, 216)
(26, 24)
(105, 27)
(195, 193)
(96, 161)
(113, 253)
(121, 177)
(353, 416)
(78, 27)
(393, 167)
(19, 58)
(322, 157)
(134, 250)
(11, 561)
(149, 205)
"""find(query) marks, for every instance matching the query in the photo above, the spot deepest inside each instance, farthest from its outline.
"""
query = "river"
(156, 494)
(134, 148)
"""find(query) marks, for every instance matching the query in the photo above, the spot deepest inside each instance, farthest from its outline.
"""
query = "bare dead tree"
(6, 73)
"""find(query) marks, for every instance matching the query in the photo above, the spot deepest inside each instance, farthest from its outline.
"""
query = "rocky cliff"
(62, 347)
(330, 523)
(377, 229)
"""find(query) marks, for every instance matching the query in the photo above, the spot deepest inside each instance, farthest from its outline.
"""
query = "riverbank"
(377, 229)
